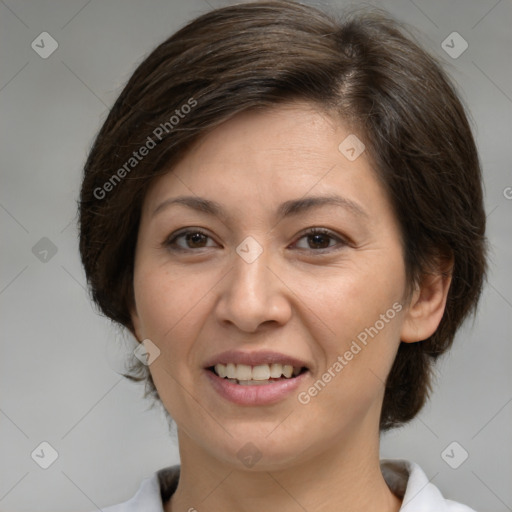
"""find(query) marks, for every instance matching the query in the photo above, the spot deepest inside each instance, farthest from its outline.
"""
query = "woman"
(285, 210)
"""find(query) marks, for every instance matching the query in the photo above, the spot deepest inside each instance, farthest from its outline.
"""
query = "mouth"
(255, 378)
(258, 375)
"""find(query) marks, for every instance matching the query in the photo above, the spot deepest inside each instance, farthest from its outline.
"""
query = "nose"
(253, 293)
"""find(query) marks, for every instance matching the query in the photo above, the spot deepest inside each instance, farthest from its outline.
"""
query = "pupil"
(195, 238)
(317, 240)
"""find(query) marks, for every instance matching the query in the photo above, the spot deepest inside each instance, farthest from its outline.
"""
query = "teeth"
(243, 372)
(230, 370)
(287, 370)
(261, 372)
(221, 370)
(276, 370)
(246, 374)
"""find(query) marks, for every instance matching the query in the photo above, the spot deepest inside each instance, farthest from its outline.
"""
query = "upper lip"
(254, 358)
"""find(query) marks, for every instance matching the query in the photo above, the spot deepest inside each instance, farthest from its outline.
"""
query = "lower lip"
(255, 395)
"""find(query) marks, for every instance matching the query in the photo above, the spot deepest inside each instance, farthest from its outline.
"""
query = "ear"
(427, 305)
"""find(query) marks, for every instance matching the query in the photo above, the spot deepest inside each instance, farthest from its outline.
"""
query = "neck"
(345, 477)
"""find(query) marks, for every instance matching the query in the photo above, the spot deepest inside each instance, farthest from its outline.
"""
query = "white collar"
(406, 479)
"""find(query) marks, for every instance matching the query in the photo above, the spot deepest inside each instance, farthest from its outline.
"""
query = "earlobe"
(426, 308)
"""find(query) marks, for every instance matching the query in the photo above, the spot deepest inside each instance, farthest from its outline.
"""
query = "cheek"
(361, 318)
(164, 301)
(357, 360)
(172, 305)
(352, 299)
(168, 306)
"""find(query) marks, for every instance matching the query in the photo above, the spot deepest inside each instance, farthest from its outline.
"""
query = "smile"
(258, 385)
(258, 375)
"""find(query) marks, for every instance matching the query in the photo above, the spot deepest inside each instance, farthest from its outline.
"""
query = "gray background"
(59, 357)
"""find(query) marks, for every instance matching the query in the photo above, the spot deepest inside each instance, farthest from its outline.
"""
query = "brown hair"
(360, 67)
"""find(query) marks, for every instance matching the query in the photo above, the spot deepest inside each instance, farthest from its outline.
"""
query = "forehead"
(292, 133)
(269, 156)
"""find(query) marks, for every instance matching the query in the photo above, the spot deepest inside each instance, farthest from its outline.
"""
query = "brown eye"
(320, 239)
(189, 239)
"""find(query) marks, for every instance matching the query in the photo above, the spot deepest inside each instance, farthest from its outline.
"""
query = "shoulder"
(408, 481)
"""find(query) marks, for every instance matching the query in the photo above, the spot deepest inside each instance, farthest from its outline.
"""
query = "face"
(282, 270)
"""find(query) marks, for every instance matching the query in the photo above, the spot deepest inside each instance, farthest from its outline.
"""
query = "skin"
(303, 296)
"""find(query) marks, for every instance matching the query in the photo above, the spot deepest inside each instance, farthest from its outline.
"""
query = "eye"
(190, 239)
(319, 239)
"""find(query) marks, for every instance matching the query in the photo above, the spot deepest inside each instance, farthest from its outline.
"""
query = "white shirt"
(406, 479)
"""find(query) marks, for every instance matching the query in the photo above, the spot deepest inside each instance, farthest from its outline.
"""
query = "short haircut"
(363, 68)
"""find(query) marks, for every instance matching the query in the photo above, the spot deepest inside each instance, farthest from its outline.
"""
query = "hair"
(363, 68)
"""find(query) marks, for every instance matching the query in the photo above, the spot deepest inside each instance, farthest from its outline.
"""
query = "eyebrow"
(287, 209)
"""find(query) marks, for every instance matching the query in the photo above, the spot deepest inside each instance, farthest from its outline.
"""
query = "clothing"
(406, 479)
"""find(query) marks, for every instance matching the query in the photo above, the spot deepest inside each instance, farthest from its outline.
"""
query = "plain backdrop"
(59, 358)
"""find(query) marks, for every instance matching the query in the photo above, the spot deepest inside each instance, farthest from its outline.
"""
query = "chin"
(259, 448)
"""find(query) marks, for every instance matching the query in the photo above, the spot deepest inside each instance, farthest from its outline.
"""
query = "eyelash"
(170, 242)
